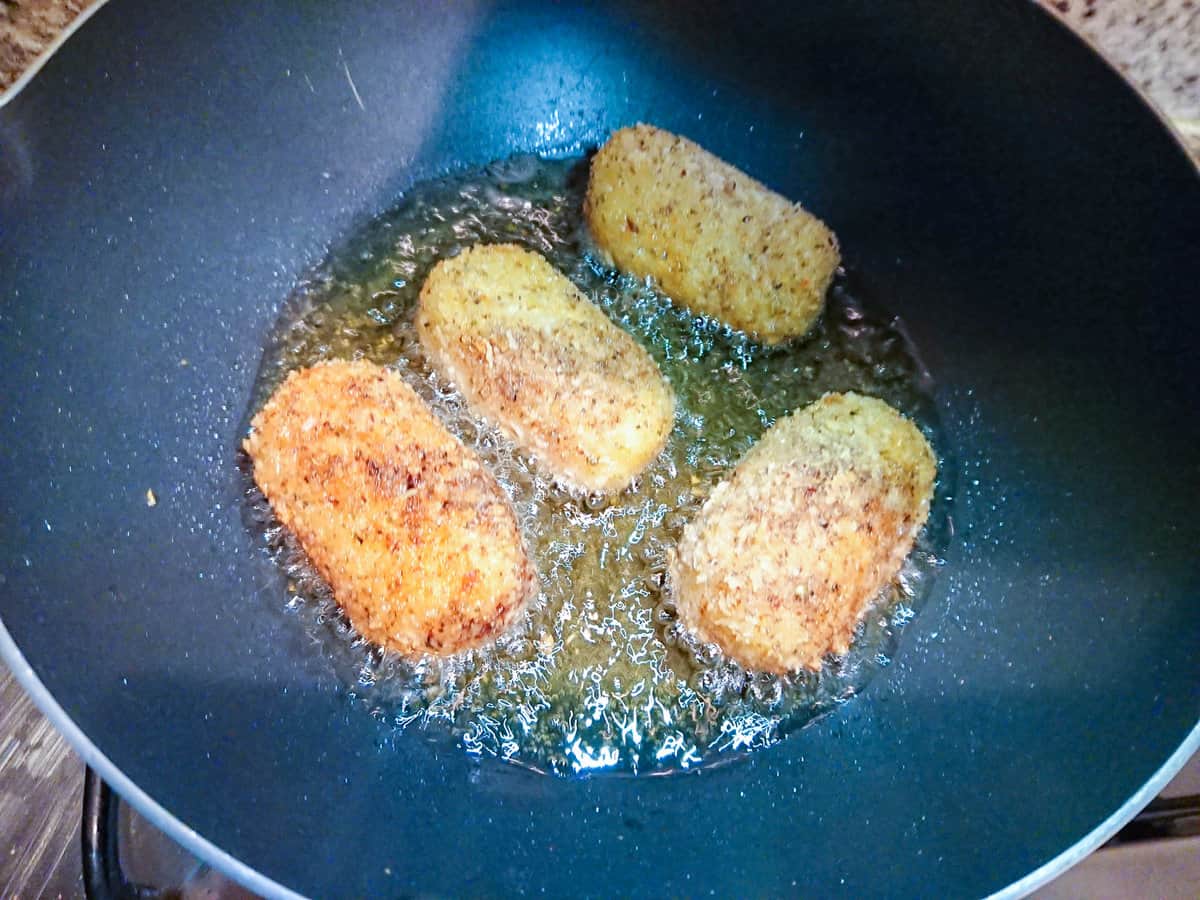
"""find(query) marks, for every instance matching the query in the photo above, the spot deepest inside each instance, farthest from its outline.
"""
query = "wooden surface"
(41, 796)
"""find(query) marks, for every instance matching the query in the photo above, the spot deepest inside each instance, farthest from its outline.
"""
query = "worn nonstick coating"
(168, 178)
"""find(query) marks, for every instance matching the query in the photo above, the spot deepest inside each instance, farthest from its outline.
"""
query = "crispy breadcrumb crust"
(531, 353)
(415, 537)
(786, 554)
(715, 239)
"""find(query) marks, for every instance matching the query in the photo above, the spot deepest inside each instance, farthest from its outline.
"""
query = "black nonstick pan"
(175, 171)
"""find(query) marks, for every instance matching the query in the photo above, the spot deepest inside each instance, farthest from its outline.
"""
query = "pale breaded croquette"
(533, 355)
(786, 555)
(414, 535)
(712, 237)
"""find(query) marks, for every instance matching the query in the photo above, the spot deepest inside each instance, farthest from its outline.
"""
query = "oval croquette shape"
(415, 537)
(713, 238)
(786, 554)
(531, 353)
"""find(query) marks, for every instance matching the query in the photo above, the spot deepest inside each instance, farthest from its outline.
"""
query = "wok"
(171, 175)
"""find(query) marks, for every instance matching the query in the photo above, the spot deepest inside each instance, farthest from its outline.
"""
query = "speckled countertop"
(28, 28)
(1155, 42)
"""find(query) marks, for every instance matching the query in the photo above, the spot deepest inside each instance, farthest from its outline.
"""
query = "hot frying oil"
(599, 674)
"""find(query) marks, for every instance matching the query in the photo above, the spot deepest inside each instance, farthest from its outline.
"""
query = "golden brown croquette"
(415, 537)
(531, 353)
(713, 238)
(786, 554)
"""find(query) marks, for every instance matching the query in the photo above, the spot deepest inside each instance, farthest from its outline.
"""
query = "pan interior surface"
(991, 182)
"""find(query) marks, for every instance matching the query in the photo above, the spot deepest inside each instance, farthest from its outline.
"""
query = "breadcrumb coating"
(415, 537)
(713, 238)
(531, 353)
(786, 555)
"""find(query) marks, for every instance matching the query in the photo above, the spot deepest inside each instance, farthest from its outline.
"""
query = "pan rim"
(195, 843)
(1099, 835)
(170, 825)
(48, 51)
(265, 886)
(1151, 105)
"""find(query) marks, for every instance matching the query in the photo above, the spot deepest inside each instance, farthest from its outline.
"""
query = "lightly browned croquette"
(531, 353)
(416, 538)
(712, 237)
(787, 553)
